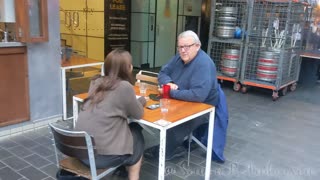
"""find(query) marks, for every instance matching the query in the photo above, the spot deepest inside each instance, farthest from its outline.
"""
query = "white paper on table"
(162, 122)
(146, 97)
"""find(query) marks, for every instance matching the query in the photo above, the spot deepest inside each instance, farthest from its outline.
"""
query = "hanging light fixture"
(167, 12)
(7, 12)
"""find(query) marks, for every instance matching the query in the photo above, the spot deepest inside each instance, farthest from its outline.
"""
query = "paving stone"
(44, 131)
(20, 151)
(150, 168)
(7, 143)
(15, 163)
(184, 170)
(4, 154)
(172, 177)
(194, 177)
(49, 178)
(26, 142)
(2, 165)
(43, 151)
(52, 158)
(32, 134)
(50, 169)
(32, 173)
(148, 176)
(23, 178)
(44, 140)
(7, 173)
(37, 161)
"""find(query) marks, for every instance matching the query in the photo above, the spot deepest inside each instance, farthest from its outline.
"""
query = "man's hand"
(173, 86)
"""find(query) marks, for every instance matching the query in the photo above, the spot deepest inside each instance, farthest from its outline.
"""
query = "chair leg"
(189, 145)
(199, 143)
(146, 128)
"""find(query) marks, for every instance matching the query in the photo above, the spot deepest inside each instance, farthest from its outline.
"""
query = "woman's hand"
(142, 100)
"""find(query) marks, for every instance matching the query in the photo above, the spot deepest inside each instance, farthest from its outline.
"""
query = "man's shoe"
(153, 153)
(215, 158)
(178, 152)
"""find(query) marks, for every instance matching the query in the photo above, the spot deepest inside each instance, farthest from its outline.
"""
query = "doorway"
(165, 38)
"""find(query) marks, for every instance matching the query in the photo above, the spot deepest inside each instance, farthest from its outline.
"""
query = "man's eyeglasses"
(185, 47)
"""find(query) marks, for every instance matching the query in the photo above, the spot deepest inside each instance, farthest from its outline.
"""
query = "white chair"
(190, 138)
(77, 145)
(150, 78)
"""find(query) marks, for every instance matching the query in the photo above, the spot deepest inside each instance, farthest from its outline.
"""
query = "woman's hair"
(190, 33)
(117, 67)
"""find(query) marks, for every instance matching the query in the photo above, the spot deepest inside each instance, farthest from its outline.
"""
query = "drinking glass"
(164, 106)
(143, 89)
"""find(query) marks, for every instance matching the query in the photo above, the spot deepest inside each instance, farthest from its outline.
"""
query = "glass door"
(165, 37)
(142, 33)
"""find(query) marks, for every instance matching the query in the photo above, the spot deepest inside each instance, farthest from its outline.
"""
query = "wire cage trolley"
(226, 38)
(272, 44)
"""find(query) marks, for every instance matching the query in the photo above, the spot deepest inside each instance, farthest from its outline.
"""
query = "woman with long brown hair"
(104, 114)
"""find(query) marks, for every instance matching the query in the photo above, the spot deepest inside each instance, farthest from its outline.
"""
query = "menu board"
(117, 25)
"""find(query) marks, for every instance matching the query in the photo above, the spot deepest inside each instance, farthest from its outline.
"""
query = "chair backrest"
(73, 143)
(78, 145)
(150, 78)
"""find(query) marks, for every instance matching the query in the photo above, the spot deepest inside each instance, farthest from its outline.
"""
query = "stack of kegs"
(226, 24)
(230, 62)
(268, 65)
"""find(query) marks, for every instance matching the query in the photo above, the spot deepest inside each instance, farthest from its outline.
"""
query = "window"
(31, 20)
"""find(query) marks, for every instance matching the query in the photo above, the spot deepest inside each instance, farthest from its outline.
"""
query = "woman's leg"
(134, 170)
(135, 161)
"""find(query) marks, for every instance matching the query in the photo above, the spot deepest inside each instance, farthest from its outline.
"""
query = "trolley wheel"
(275, 95)
(244, 89)
(293, 87)
(236, 87)
(284, 91)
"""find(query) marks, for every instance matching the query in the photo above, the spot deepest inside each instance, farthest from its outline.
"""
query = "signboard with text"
(117, 25)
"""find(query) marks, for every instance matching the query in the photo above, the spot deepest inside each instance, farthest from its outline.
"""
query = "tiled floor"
(266, 141)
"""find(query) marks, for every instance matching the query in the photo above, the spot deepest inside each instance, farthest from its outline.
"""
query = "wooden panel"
(22, 20)
(67, 38)
(79, 44)
(96, 5)
(95, 24)
(78, 27)
(73, 4)
(64, 22)
(14, 90)
(96, 48)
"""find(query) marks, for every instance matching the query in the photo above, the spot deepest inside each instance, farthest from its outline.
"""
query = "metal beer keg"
(230, 61)
(226, 24)
(267, 68)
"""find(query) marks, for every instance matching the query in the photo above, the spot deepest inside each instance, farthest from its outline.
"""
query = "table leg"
(64, 93)
(75, 112)
(209, 144)
(162, 154)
